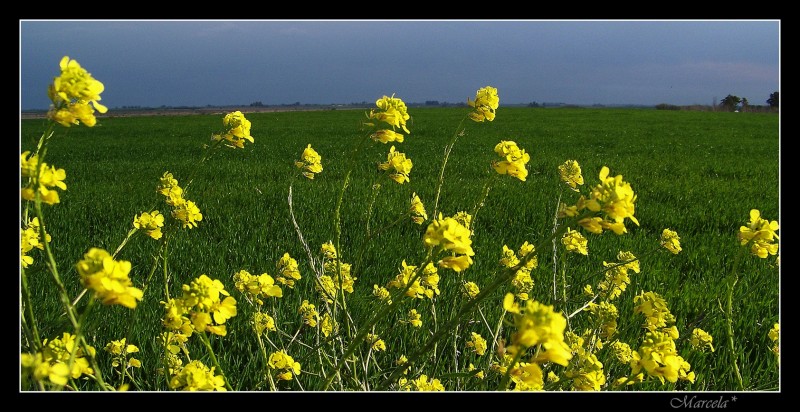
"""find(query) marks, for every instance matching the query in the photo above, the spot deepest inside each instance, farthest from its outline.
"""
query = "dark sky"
(232, 62)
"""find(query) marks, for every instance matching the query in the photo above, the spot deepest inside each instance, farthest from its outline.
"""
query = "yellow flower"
(538, 324)
(471, 289)
(485, 104)
(448, 234)
(285, 364)
(151, 223)
(418, 214)
(108, 278)
(573, 241)
(398, 165)
(72, 92)
(49, 177)
(570, 173)
(615, 199)
(237, 130)
(774, 336)
(392, 111)
(29, 239)
(514, 160)
(289, 271)
(328, 325)
(328, 250)
(382, 293)
(701, 339)
(760, 234)
(456, 263)
(310, 161)
(262, 322)
(196, 376)
(477, 343)
(187, 212)
(309, 312)
(386, 136)
(414, 318)
(376, 343)
(422, 384)
(671, 241)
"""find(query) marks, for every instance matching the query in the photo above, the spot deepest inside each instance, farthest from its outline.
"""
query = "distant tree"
(745, 104)
(533, 104)
(730, 102)
(773, 100)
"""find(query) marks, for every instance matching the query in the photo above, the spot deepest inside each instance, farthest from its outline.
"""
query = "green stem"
(396, 299)
(732, 280)
(447, 150)
(207, 344)
(32, 331)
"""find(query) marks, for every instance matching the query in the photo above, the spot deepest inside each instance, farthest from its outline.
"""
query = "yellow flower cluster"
(471, 289)
(151, 223)
(616, 276)
(108, 278)
(237, 130)
(701, 340)
(196, 376)
(120, 349)
(49, 177)
(570, 173)
(398, 165)
(423, 384)
(382, 294)
(75, 95)
(328, 325)
(184, 210)
(393, 111)
(671, 241)
(284, 364)
(522, 281)
(605, 316)
(309, 313)
(288, 271)
(263, 322)
(417, 210)
(256, 287)
(425, 285)
(310, 162)
(538, 324)
(413, 318)
(447, 234)
(760, 235)
(584, 369)
(774, 335)
(51, 364)
(657, 355)
(376, 343)
(612, 198)
(485, 104)
(574, 241)
(477, 343)
(329, 282)
(29, 239)
(514, 160)
(200, 308)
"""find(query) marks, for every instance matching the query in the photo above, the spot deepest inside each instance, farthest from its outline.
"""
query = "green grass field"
(698, 173)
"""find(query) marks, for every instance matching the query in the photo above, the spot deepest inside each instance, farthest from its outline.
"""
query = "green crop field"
(697, 173)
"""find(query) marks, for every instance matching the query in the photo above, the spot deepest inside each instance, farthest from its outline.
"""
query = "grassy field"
(698, 173)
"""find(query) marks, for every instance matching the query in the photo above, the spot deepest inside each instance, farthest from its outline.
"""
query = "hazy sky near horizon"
(231, 62)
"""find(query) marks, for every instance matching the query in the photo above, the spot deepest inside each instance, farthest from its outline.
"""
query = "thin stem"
(447, 150)
(207, 344)
(732, 280)
(396, 299)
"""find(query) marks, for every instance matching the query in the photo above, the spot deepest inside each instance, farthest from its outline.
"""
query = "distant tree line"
(731, 103)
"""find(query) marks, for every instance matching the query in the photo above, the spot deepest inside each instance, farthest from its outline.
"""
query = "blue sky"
(233, 62)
